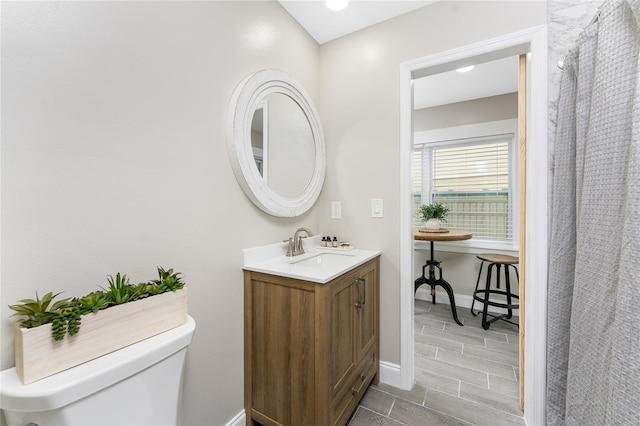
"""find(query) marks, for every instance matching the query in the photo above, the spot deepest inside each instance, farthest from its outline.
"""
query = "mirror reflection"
(282, 144)
(275, 143)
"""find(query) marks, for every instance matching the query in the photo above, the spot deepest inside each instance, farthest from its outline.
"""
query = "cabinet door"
(343, 331)
(367, 311)
(280, 347)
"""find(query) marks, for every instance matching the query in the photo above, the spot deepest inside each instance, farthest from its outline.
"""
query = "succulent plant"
(66, 320)
(168, 280)
(119, 291)
(74, 319)
(38, 311)
(65, 315)
(58, 326)
(142, 290)
(93, 302)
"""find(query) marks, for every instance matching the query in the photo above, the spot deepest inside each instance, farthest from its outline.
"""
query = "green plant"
(37, 312)
(93, 302)
(119, 291)
(65, 315)
(434, 211)
(58, 326)
(168, 280)
(142, 290)
(66, 320)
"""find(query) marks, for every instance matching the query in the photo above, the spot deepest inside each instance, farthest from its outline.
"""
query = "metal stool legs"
(433, 282)
(483, 295)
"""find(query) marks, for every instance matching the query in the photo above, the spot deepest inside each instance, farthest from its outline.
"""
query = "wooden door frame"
(533, 42)
(522, 190)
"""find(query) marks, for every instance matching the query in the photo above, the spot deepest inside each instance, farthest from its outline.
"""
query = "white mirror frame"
(248, 95)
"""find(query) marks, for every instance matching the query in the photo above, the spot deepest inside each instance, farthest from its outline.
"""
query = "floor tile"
(417, 415)
(378, 401)
(502, 402)
(439, 382)
(417, 394)
(503, 347)
(475, 332)
(475, 363)
(508, 358)
(443, 313)
(424, 350)
(430, 322)
(473, 412)
(365, 417)
(453, 371)
(466, 339)
(439, 340)
(504, 386)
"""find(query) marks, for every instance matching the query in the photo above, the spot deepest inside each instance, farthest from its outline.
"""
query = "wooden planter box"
(38, 355)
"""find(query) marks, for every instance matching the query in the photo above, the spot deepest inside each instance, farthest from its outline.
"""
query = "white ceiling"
(487, 79)
(325, 25)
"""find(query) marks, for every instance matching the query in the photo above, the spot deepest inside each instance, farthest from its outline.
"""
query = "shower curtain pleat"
(593, 341)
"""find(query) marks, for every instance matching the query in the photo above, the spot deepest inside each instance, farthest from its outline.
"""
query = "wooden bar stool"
(483, 295)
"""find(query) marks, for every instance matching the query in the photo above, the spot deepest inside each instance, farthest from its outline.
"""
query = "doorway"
(533, 44)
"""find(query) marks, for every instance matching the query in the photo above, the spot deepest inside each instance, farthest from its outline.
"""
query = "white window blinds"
(474, 179)
(477, 167)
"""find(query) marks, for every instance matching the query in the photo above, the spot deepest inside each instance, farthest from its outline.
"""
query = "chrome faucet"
(295, 247)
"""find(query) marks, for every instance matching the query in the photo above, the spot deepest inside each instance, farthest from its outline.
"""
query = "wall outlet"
(377, 207)
(336, 210)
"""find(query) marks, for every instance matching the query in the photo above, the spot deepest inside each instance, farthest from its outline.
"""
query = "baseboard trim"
(462, 300)
(390, 374)
(239, 420)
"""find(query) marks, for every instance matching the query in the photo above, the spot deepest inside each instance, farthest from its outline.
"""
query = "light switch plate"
(336, 210)
(377, 207)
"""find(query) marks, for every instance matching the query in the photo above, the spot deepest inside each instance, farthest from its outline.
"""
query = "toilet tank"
(136, 385)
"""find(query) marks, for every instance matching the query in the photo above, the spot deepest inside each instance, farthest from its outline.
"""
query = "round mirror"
(275, 143)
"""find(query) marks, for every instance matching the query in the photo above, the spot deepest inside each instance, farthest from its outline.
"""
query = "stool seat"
(503, 259)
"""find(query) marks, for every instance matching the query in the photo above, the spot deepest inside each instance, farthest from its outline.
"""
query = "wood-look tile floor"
(463, 375)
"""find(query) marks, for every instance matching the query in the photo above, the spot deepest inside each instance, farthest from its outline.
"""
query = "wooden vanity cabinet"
(311, 349)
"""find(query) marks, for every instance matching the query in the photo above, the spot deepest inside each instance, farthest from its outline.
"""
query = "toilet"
(136, 385)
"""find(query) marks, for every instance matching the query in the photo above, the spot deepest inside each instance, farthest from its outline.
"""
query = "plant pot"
(432, 224)
(38, 355)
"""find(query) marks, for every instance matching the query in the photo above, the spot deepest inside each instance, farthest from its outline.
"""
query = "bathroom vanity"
(311, 337)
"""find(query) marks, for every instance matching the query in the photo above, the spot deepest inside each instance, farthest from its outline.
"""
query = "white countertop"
(318, 264)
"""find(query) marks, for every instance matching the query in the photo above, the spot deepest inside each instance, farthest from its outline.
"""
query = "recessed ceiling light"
(337, 4)
(465, 69)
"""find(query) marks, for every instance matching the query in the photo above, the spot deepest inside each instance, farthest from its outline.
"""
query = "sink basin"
(316, 265)
(325, 260)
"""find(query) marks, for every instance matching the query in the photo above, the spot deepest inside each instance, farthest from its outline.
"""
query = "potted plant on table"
(433, 215)
(96, 324)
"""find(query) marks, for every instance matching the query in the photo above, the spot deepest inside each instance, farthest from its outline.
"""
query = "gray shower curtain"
(593, 341)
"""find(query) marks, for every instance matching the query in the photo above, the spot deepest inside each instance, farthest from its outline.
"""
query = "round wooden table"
(432, 264)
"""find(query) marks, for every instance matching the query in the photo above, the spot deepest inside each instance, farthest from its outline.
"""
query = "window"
(474, 177)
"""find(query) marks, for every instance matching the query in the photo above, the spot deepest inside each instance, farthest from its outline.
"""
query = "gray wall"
(114, 159)
(493, 108)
